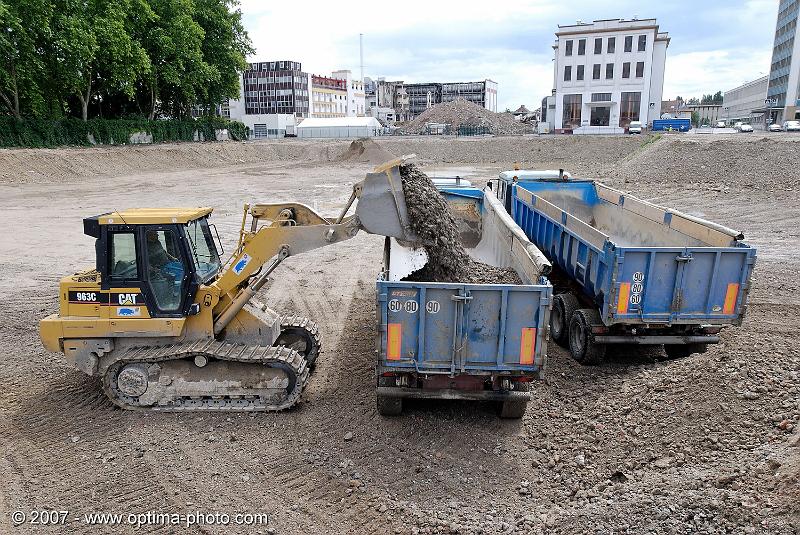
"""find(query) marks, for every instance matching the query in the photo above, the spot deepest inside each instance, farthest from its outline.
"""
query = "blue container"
(654, 275)
(664, 125)
(464, 341)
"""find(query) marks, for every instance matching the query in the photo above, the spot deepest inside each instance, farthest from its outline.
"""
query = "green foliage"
(695, 118)
(71, 131)
(116, 58)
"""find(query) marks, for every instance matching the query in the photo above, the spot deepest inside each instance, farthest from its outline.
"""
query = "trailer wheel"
(682, 351)
(388, 405)
(564, 306)
(581, 339)
(516, 408)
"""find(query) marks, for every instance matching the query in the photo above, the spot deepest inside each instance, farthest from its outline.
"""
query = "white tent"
(339, 127)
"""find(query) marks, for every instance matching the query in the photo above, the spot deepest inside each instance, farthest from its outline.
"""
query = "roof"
(522, 109)
(322, 122)
(153, 216)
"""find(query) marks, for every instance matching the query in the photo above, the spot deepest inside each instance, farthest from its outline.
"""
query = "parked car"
(775, 127)
(791, 126)
(720, 124)
(742, 127)
(635, 127)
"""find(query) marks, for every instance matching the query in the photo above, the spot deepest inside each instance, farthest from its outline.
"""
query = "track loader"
(168, 326)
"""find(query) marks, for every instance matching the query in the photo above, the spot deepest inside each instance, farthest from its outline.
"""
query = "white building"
(607, 74)
(339, 127)
(746, 102)
(356, 98)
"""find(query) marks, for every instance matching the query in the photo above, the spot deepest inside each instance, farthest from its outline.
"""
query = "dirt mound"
(461, 112)
(365, 150)
(432, 220)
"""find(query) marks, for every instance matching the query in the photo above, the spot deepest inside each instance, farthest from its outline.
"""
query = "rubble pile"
(461, 112)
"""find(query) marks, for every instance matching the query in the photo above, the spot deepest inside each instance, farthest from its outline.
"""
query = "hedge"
(54, 133)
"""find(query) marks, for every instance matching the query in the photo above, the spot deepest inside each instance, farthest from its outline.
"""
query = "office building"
(607, 74)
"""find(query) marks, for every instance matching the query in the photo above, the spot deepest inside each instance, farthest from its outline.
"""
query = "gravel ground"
(707, 444)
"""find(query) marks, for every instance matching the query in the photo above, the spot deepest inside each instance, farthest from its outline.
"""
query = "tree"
(692, 102)
(695, 118)
(21, 67)
(225, 48)
(173, 41)
(93, 48)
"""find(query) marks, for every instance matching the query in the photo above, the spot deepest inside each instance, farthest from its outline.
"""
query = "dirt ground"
(706, 444)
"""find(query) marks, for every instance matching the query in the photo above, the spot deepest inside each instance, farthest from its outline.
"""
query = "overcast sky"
(716, 45)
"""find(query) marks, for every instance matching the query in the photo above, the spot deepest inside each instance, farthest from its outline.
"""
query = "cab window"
(165, 269)
(123, 256)
(203, 249)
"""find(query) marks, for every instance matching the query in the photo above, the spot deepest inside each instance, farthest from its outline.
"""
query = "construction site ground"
(707, 444)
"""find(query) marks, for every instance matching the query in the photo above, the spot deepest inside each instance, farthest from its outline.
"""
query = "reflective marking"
(624, 294)
(394, 341)
(730, 298)
(527, 345)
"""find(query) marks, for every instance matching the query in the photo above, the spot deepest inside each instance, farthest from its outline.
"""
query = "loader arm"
(289, 229)
(294, 228)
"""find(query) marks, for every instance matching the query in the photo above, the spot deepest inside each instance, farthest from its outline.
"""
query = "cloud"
(715, 46)
(693, 74)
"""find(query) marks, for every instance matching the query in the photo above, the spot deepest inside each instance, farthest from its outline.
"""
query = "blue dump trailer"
(464, 341)
(626, 271)
(668, 125)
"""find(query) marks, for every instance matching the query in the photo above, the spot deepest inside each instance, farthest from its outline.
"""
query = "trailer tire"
(564, 306)
(515, 409)
(581, 340)
(682, 351)
(389, 405)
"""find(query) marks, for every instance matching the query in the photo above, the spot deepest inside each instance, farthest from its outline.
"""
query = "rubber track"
(308, 325)
(212, 349)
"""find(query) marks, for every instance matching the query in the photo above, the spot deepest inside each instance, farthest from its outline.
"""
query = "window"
(123, 256)
(568, 48)
(642, 43)
(639, 69)
(567, 73)
(626, 70)
(596, 71)
(165, 269)
(204, 251)
(601, 97)
(598, 46)
(579, 73)
(609, 71)
(572, 111)
(629, 104)
(612, 45)
(581, 47)
(628, 43)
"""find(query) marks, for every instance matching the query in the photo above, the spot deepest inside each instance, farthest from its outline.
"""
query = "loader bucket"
(381, 206)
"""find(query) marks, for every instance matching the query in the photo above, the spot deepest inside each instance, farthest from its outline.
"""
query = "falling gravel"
(432, 220)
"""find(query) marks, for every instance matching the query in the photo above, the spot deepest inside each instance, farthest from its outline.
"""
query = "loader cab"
(152, 261)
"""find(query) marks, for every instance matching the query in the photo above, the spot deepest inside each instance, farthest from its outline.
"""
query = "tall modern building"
(607, 74)
(784, 75)
(276, 87)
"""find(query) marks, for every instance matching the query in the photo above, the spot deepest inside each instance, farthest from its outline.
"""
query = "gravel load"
(461, 112)
(433, 222)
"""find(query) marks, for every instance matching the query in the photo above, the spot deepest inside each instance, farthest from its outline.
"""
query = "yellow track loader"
(168, 326)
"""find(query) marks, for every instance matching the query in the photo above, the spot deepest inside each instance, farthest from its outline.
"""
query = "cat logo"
(127, 299)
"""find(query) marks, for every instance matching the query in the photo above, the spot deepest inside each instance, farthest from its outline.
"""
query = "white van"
(635, 127)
